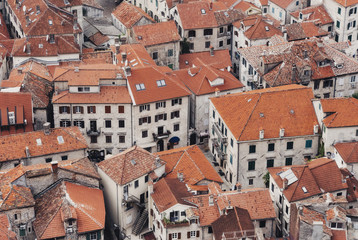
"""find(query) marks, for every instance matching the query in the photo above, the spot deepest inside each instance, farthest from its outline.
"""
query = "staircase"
(140, 222)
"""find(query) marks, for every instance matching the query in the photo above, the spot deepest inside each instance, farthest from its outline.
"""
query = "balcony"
(221, 136)
(217, 145)
(161, 135)
(93, 132)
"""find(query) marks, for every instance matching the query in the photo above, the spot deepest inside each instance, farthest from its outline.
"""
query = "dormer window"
(267, 28)
(323, 63)
(203, 11)
(301, 16)
(337, 225)
(50, 22)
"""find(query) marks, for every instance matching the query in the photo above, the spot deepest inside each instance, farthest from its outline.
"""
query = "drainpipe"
(334, 87)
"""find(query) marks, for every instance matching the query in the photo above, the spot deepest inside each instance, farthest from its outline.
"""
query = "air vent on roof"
(161, 83)
(249, 100)
(226, 14)
(140, 86)
(186, 62)
(50, 21)
(41, 45)
(203, 11)
(38, 142)
(292, 111)
(140, 38)
(133, 162)
(267, 28)
(66, 2)
(60, 140)
(304, 189)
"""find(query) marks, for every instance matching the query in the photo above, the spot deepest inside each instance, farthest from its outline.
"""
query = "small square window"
(107, 109)
(93, 139)
(207, 44)
(48, 160)
(289, 145)
(262, 223)
(155, 55)
(251, 181)
(144, 134)
(288, 162)
(63, 158)
(108, 123)
(120, 109)
(108, 139)
(271, 147)
(251, 165)
(176, 127)
(270, 163)
(308, 143)
(252, 149)
(122, 139)
(121, 123)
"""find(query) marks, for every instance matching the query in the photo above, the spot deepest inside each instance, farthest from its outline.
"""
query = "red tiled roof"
(62, 4)
(198, 78)
(129, 165)
(315, 13)
(313, 177)
(14, 197)
(136, 56)
(261, 29)
(348, 151)
(220, 59)
(5, 232)
(309, 216)
(152, 93)
(246, 114)
(107, 94)
(343, 112)
(169, 192)
(244, 6)
(89, 211)
(282, 3)
(338, 234)
(192, 163)
(4, 33)
(129, 14)
(347, 3)
(156, 33)
(14, 146)
(303, 30)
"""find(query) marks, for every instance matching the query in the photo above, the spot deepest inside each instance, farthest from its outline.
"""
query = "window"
(161, 83)
(288, 161)
(65, 123)
(272, 187)
(107, 109)
(93, 139)
(192, 234)
(208, 31)
(339, 10)
(176, 127)
(269, 163)
(174, 235)
(221, 43)
(327, 83)
(63, 158)
(316, 84)
(287, 209)
(221, 29)
(326, 95)
(146, 178)
(122, 139)
(176, 101)
(336, 225)
(232, 142)
(136, 184)
(192, 33)
(338, 24)
(353, 79)
(120, 109)
(262, 223)
(251, 181)
(174, 114)
(144, 120)
(108, 139)
(210, 229)
(144, 134)
(289, 145)
(48, 160)
(308, 143)
(64, 109)
(77, 109)
(207, 44)
(162, 116)
(271, 147)
(339, 194)
(252, 149)
(79, 123)
(297, 2)
(108, 123)
(170, 52)
(91, 109)
(160, 105)
(121, 123)
(251, 165)
(145, 107)
(329, 29)
(140, 87)
(356, 132)
(273, 10)
(155, 55)
(280, 14)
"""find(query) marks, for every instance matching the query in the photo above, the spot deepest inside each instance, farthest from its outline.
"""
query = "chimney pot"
(211, 51)
(54, 166)
(46, 127)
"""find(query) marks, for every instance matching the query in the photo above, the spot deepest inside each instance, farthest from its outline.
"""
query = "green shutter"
(99, 235)
(88, 236)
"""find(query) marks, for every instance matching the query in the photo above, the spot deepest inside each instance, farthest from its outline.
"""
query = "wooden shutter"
(165, 116)
(99, 235)
(149, 119)
(188, 235)
(197, 234)
(179, 100)
(94, 109)
(179, 235)
(120, 109)
(81, 108)
(151, 212)
(170, 236)
(88, 109)
(140, 121)
(172, 115)
(74, 109)
(156, 118)
(61, 109)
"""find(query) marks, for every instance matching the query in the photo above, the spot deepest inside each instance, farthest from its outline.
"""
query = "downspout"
(117, 206)
(334, 87)
(238, 158)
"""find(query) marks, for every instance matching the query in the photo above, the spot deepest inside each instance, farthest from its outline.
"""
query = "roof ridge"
(257, 23)
(178, 161)
(195, 165)
(53, 216)
(253, 109)
(299, 180)
(355, 148)
(237, 218)
(334, 117)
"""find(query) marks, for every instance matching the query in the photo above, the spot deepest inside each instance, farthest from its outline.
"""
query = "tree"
(266, 179)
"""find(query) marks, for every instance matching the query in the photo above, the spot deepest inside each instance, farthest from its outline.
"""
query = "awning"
(174, 140)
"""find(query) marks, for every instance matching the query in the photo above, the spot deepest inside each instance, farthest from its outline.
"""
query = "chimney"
(124, 57)
(157, 161)
(180, 176)
(123, 40)
(211, 51)
(211, 200)
(285, 183)
(217, 91)
(262, 134)
(315, 129)
(54, 166)
(28, 48)
(282, 132)
(46, 127)
(238, 187)
(150, 187)
(128, 71)
(118, 47)
(294, 70)
(317, 232)
(27, 151)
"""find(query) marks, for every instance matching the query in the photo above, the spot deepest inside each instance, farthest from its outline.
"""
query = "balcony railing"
(161, 135)
(93, 132)
(221, 136)
(221, 154)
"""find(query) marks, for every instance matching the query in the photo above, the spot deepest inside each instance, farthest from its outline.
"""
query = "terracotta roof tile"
(156, 33)
(14, 197)
(309, 216)
(5, 229)
(168, 192)
(347, 3)
(343, 112)
(21, 105)
(129, 165)
(282, 3)
(338, 234)
(13, 146)
(348, 151)
(152, 93)
(314, 13)
(261, 29)
(129, 14)
(136, 56)
(220, 59)
(303, 30)
(192, 163)
(312, 177)
(267, 110)
(89, 211)
(72, 3)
